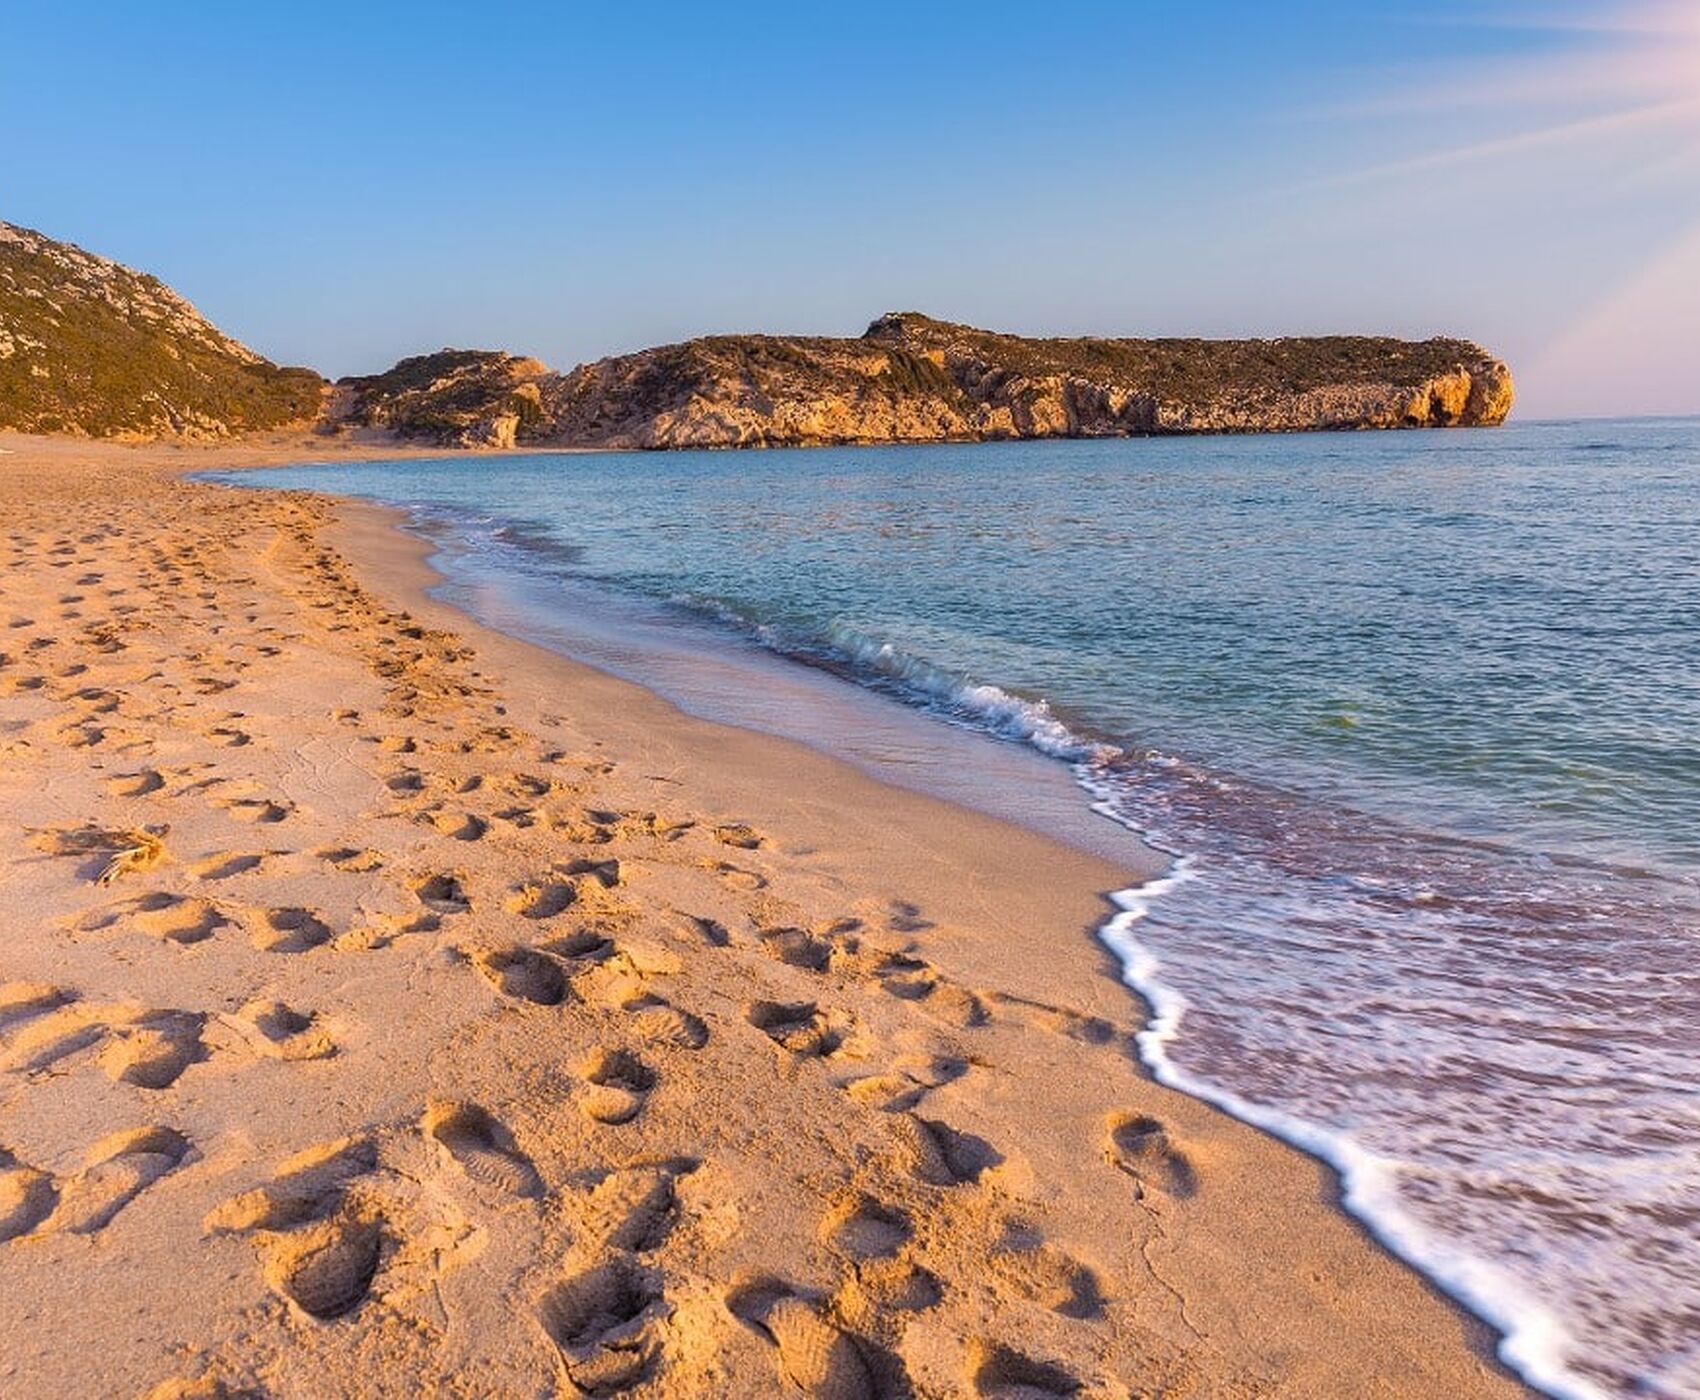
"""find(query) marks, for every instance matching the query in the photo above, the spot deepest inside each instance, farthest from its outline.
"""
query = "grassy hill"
(92, 348)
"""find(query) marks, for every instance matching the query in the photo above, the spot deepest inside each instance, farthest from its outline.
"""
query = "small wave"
(883, 666)
(1532, 1339)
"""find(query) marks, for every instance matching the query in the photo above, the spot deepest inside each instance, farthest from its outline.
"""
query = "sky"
(343, 184)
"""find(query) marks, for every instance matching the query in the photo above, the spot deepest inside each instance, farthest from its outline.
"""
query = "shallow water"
(1418, 711)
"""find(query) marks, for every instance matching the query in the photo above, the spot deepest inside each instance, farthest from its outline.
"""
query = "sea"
(1413, 717)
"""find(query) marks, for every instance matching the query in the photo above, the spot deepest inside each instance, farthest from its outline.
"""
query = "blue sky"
(343, 184)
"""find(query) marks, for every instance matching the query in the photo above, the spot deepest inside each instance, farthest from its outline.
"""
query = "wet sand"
(454, 1019)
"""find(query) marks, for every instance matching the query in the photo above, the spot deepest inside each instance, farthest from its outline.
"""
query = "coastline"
(1200, 1254)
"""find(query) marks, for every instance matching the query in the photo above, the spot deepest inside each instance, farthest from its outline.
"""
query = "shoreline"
(406, 566)
(1360, 1189)
(1293, 1295)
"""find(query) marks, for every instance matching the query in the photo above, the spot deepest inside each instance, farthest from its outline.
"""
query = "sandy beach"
(389, 1007)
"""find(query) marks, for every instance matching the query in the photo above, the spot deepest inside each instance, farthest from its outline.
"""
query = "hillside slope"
(93, 348)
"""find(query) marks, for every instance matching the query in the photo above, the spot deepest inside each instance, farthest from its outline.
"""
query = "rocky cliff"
(96, 349)
(914, 379)
(458, 398)
(90, 347)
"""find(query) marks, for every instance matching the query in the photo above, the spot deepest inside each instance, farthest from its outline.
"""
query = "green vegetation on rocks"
(92, 348)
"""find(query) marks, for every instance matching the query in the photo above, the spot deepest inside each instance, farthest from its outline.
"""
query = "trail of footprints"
(333, 1220)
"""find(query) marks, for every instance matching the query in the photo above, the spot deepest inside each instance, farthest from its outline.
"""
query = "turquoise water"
(1416, 713)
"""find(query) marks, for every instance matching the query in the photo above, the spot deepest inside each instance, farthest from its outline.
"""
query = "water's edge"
(1530, 1338)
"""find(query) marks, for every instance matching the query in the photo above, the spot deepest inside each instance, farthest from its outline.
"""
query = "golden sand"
(390, 1008)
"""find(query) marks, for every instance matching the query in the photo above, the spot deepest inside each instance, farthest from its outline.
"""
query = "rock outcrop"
(92, 348)
(914, 379)
(458, 398)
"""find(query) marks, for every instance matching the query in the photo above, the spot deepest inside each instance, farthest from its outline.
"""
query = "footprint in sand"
(291, 930)
(661, 1024)
(745, 838)
(1000, 1373)
(1026, 1264)
(482, 1147)
(280, 1032)
(177, 918)
(326, 1269)
(227, 865)
(119, 1169)
(443, 894)
(523, 973)
(585, 946)
(351, 860)
(939, 1155)
(812, 1354)
(634, 825)
(146, 1048)
(909, 978)
(140, 784)
(526, 786)
(606, 1325)
(1139, 1145)
(457, 826)
(1060, 1020)
(606, 873)
(23, 1001)
(260, 811)
(27, 1197)
(904, 917)
(863, 1228)
(307, 1186)
(617, 1086)
(710, 931)
(154, 1050)
(737, 878)
(84, 736)
(894, 1284)
(795, 948)
(799, 1026)
(635, 1209)
(51, 1038)
(542, 901)
(173, 918)
(907, 1084)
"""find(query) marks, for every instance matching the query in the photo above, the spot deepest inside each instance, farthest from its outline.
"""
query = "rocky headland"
(91, 348)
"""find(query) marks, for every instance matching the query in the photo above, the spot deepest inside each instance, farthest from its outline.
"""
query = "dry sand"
(456, 1020)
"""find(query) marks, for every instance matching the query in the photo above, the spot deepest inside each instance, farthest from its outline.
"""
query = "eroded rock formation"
(914, 379)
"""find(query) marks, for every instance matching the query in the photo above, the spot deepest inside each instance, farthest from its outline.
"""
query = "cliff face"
(459, 398)
(92, 348)
(913, 379)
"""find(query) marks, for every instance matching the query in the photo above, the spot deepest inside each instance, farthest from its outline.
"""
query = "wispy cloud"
(1624, 69)
(1660, 116)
